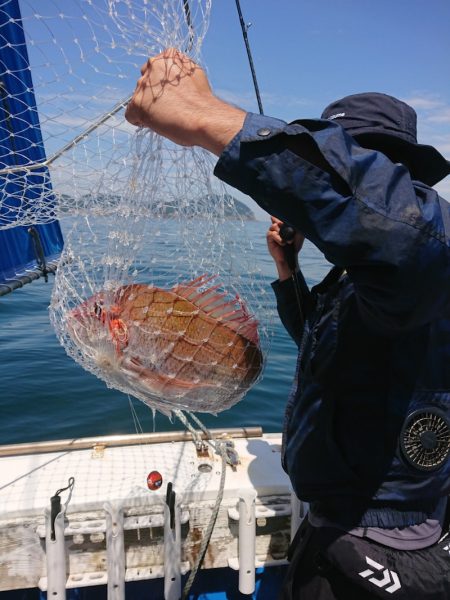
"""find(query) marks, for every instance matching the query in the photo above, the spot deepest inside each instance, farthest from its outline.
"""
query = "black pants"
(328, 564)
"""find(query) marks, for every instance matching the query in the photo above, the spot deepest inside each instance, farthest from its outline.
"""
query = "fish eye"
(98, 309)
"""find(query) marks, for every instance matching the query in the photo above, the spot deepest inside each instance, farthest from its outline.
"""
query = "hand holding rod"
(287, 234)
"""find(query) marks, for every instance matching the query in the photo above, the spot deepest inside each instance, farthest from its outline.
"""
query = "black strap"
(39, 252)
(330, 279)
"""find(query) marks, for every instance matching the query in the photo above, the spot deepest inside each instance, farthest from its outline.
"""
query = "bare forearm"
(218, 124)
(173, 97)
(284, 270)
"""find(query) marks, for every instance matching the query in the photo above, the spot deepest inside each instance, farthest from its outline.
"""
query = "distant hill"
(233, 208)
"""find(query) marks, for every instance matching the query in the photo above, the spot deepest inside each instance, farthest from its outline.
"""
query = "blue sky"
(308, 53)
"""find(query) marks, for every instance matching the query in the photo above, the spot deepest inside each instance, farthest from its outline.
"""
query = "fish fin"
(232, 312)
(159, 381)
(192, 289)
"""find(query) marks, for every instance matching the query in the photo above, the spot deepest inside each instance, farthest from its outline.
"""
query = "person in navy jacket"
(367, 427)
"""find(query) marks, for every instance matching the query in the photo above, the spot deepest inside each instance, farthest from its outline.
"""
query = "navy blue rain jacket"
(376, 345)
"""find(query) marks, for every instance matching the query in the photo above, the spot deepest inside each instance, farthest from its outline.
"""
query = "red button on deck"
(154, 480)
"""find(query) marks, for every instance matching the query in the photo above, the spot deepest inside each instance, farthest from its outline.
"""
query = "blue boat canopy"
(26, 252)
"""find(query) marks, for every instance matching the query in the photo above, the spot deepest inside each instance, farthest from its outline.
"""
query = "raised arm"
(173, 97)
(360, 209)
(291, 291)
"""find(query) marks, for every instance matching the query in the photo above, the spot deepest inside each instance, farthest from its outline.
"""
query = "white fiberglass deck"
(119, 474)
(113, 528)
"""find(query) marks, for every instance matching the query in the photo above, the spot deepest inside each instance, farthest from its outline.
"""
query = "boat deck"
(113, 529)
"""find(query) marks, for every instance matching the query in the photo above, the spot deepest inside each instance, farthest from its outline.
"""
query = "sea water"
(45, 395)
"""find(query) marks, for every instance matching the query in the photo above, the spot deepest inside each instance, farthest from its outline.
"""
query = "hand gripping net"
(157, 292)
(80, 59)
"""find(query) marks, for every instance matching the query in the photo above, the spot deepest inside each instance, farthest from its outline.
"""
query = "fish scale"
(191, 346)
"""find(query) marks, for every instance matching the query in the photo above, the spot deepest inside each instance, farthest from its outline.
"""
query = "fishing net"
(157, 291)
(66, 72)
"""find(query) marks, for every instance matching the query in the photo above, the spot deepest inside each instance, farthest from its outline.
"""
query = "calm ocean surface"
(45, 395)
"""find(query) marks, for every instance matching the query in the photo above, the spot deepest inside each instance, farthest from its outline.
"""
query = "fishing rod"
(287, 233)
(245, 28)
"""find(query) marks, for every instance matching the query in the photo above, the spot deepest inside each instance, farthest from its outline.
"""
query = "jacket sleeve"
(293, 303)
(361, 210)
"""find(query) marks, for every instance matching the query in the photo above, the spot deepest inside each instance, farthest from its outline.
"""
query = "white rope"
(209, 529)
(201, 425)
(222, 449)
(195, 434)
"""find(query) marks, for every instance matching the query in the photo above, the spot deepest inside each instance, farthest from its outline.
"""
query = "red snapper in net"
(190, 347)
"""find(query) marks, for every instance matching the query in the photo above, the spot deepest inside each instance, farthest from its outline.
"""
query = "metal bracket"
(55, 550)
(115, 552)
(172, 546)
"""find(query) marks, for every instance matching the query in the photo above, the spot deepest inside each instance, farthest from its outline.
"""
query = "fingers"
(275, 246)
(274, 231)
(145, 66)
(273, 235)
(276, 221)
(161, 74)
(148, 87)
(132, 112)
(170, 64)
(168, 53)
(171, 97)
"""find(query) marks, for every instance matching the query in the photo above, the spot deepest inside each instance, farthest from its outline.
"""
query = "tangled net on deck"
(157, 292)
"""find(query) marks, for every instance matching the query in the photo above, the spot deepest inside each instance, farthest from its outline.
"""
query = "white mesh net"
(84, 57)
(157, 292)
